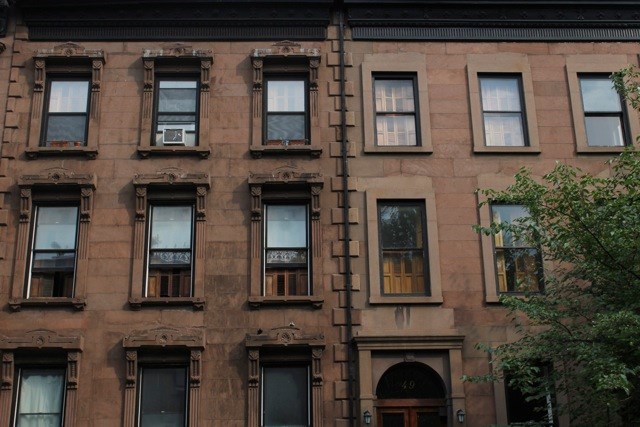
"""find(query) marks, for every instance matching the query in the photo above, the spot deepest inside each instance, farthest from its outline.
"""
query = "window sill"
(35, 152)
(18, 303)
(412, 149)
(506, 150)
(256, 302)
(404, 299)
(138, 303)
(599, 150)
(180, 150)
(257, 151)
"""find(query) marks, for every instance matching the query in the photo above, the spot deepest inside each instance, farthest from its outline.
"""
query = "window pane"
(503, 129)
(41, 397)
(285, 95)
(396, 130)
(394, 95)
(286, 226)
(171, 227)
(393, 419)
(285, 396)
(500, 94)
(599, 95)
(401, 226)
(177, 96)
(56, 227)
(507, 213)
(604, 131)
(286, 126)
(68, 96)
(164, 397)
(66, 128)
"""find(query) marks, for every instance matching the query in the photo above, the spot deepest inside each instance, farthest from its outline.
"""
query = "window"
(502, 111)
(163, 375)
(163, 396)
(602, 122)
(40, 397)
(170, 251)
(285, 396)
(403, 254)
(286, 247)
(51, 263)
(286, 250)
(168, 261)
(518, 266)
(281, 365)
(53, 257)
(40, 379)
(285, 100)
(175, 105)
(287, 118)
(603, 113)
(395, 104)
(65, 112)
(526, 410)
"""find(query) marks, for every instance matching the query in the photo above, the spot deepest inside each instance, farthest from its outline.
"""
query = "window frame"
(577, 65)
(56, 187)
(285, 186)
(403, 66)
(168, 187)
(175, 62)
(409, 190)
(156, 104)
(66, 61)
(285, 60)
(376, 76)
(502, 64)
(281, 77)
(48, 114)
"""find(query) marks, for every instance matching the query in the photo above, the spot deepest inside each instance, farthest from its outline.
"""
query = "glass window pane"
(503, 129)
(507, 213)
(401, 226)
(285, 396)
(68, 96)
(179, 96)
(41, 397)
(286, 226)
(500, 94)
(54, 261)
(285, 95)
(164, 397)
(394, 95)
(56, 227)
(396, 130)
(393, 419)
(283, 127)
(171, 227)
(604, 131)
(599, 95)
(66, 128)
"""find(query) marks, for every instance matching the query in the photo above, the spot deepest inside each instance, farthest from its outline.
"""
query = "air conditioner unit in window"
(174, 136)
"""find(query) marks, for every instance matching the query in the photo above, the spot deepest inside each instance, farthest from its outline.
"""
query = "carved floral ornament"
(286, 336)
(70, 50)
(178, 50)
(42, 338)
(286, 48)
(162, 336)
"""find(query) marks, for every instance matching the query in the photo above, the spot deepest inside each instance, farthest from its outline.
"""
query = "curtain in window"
(40, 401)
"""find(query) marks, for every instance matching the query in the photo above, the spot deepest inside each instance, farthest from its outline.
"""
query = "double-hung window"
(53, 254)
(66, 113)
(176, 115)
(503, 110)
(40, 399)
(518, 264)
(402, 228)
(395, 110)
(163, 396)
(170, 255)
(286, 250)
(604, 115)
(287, 118)
(285, 395)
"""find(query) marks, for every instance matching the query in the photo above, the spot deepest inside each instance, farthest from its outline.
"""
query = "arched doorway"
(411, 394)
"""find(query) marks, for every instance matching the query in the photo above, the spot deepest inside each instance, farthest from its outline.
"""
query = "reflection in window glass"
(603, 112)
(402, 242)
(177, 110)
(518, 265)
(502, 111)
(395, 112)
(285, 396)
(286, 111)
(40, 398)
(66, 113)
(163, 396)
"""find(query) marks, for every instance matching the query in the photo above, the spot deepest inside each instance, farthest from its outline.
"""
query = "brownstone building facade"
(259, 213)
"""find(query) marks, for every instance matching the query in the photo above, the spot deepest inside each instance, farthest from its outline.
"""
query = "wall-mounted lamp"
(461, 415)
(367, 417)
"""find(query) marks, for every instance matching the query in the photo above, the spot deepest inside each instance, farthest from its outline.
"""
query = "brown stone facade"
(223, 327)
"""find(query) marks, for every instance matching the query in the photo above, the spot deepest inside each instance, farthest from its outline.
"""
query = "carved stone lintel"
(165, 337)
(178, 50)
(173, 177)
(43, 338)
(285, 336)
(287, 175)
(286, 48)
(71, 50)
(58, 177)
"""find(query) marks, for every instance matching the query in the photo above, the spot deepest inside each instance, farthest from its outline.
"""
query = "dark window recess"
(66, 113)
(163, 399)
(285, 396)
(287, 111)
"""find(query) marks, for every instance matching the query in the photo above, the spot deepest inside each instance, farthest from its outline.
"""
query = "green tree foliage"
(586, 323)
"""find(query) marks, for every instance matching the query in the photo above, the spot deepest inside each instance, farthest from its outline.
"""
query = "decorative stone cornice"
(163, 336)
(70, 50)
(286, 175)
(42, 338)
(178, 50)
(58, 177)
(284, 336)
(286, 48)
(173, 177)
